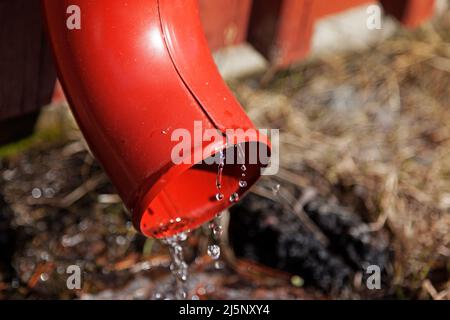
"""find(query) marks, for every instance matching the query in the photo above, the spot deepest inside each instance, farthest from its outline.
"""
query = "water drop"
(276, 189)
(178, 267)
(15, 284)
(45, 256)
(234, 197)
(182, 237)
(181, 295)
(36, 193)
(165, 131)
(121, 240)
(44, 277)
(241, 157)
(219, 197)
(216, 228)
(214, 251)
(220, 167)
(158, 296)
(49, 193)
(217, 231)
(216, 234)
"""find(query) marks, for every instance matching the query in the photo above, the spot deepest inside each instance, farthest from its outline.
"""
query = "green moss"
(47, 135)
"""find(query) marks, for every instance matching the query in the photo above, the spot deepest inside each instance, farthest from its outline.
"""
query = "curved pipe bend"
(135, 71)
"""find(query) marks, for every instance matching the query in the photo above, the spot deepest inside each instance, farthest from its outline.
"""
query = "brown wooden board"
(225, 21)
(27, 75)
(324, 8)
(282, 30)
(410, 13)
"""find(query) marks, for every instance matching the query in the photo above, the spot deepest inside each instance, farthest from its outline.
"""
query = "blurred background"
(365, 162)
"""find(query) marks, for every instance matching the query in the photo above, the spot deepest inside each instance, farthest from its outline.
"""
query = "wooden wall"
(27, 76)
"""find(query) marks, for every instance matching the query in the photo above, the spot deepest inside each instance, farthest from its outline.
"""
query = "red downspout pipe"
(136, 71)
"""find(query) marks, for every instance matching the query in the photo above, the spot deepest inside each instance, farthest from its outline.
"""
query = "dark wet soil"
(57, 209)
(329, 252)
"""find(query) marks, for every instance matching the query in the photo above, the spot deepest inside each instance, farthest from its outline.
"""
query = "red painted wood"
(225, 21)
(324, 8)
(282, 30)
(411, 13)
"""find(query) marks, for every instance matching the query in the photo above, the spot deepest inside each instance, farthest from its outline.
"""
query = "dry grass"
(372, 129)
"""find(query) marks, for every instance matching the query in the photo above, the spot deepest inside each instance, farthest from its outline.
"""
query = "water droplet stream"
(214, 250)
(241, 158)
(178, 267)
(219, 195)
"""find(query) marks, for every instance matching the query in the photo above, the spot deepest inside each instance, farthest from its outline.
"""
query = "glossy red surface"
(136, 71)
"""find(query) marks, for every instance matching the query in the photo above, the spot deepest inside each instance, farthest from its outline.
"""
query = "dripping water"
(241, 158)
(214, 251)
(219, 195)
(178, 266)
(243, 184)
(216, 231)
(276, 189)
(234, 197)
